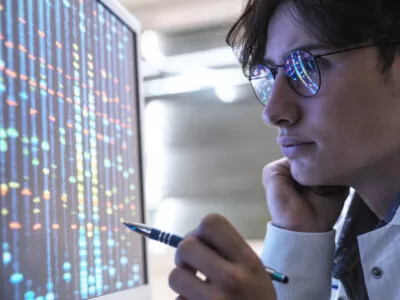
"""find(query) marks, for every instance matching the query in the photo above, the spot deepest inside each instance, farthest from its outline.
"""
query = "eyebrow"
(307, 47)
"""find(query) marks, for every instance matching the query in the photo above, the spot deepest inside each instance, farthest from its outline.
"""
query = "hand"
(232, 270)
(299, 208)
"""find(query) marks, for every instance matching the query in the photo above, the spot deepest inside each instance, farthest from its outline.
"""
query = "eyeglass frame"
(274, 70)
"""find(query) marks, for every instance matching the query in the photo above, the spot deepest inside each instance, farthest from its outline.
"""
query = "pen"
(174, 240)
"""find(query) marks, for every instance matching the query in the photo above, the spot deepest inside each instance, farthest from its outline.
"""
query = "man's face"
(352, 124)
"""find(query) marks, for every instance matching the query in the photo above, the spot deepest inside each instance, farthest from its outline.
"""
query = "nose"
(282, 108)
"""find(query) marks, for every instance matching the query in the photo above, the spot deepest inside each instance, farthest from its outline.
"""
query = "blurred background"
(205, 142)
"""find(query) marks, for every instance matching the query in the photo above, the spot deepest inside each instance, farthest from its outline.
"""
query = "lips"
(293, 147)
(292, 141)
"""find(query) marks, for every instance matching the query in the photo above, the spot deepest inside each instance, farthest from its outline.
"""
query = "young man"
(328, 75)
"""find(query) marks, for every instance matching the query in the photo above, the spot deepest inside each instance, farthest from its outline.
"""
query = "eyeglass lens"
(301, 71)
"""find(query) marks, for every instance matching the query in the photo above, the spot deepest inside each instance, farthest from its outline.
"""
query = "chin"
(308, 174)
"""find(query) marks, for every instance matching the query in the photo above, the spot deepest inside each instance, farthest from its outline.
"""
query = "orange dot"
(37, 226)
(3, 189)
(15, 225)
(46, 195)
(26, 192)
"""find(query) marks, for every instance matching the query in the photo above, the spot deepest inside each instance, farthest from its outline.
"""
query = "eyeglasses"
(302, 73)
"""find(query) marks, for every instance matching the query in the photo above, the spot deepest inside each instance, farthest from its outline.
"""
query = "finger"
(189, 286)
(280, 168)
(179, 263)
(215, 268)
(217, 232)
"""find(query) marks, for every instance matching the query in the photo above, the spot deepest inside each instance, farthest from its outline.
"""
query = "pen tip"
(127, 224)
(285, 279)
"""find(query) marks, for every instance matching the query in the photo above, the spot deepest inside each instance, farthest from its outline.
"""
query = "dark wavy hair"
(336, 24)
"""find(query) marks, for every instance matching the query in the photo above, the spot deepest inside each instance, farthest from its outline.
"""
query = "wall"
(212, 156)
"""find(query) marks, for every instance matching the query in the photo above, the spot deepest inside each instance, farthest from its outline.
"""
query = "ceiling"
(191, 37)
(182, 15)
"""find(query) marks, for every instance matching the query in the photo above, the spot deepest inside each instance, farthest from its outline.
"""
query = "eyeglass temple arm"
(355, 48)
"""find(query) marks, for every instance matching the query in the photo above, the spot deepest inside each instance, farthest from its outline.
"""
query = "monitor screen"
(70, 151)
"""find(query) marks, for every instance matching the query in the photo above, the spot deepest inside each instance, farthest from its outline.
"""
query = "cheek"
(347, 111)
(344, 125)
(354, 125)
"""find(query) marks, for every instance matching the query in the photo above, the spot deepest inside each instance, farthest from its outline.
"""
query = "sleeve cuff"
(306, 258)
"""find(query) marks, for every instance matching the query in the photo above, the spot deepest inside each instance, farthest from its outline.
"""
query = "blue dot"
(23, 95)
(92, 290)
(130, 283)
(66, 266)
(112, 271)
(50, 296)
(118, 285)
(91, 280)
(97, 252)
(110, 243)
(50, 287)
(124, 261)
(6, 258)
(30, 295)
(39, 298)
(67, 277)
(97, 243)
(16, 278)
(136, 268)
(6, 246)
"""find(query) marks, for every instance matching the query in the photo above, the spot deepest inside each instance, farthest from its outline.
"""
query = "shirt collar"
(393, 214)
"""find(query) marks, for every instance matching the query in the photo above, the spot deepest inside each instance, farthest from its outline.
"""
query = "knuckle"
(275, 166)
(270, 168)
(184, 248)
(234, 279)
(210, 222)
(268, 171)
(187, 244)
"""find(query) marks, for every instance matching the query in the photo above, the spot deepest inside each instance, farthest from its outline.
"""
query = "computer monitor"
(70, 151)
